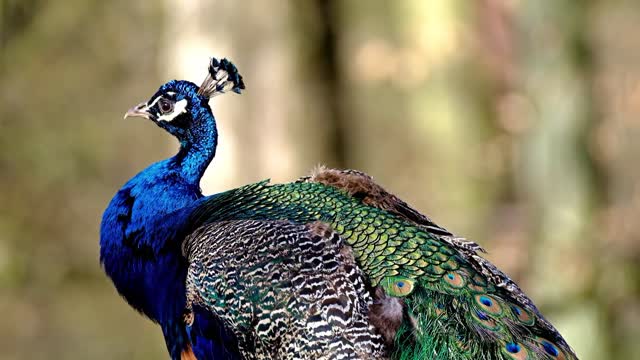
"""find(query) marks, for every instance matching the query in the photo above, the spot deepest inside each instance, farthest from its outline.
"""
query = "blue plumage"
(149, 274)
(138, 246)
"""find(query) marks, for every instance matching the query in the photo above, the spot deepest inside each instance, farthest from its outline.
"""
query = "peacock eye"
(166, 106)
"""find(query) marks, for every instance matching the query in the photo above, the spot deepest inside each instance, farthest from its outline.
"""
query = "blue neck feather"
(139, 249)
(198, 147)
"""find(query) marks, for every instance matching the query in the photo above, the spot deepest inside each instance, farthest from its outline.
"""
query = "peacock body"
(331, 266)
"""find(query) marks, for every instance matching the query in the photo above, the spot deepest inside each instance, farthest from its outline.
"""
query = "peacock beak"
(139, 110)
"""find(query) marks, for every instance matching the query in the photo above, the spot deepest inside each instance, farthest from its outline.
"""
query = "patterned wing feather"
(455, 304)
(287, 291)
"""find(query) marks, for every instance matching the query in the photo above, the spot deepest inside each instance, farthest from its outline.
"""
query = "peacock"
(331, 266)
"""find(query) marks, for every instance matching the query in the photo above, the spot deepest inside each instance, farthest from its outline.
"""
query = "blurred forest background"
(514, 123)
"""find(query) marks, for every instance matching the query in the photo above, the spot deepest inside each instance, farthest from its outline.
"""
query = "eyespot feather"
(488, 304)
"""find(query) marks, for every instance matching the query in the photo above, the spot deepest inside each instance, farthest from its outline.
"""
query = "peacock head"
(179, 105)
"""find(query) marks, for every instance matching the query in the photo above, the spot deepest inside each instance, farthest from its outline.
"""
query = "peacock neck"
(197, 149)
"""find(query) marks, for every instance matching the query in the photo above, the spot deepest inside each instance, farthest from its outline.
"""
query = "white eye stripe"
(154, 102)
(178, 108)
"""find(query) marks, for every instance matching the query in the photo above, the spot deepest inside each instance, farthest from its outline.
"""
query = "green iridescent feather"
(458, 306)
